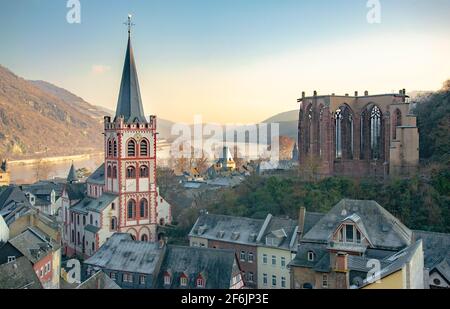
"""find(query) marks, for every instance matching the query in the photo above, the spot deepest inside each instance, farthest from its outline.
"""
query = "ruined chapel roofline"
(402, 93)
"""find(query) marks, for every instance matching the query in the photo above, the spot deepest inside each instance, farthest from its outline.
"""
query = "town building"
(130, 264)
(42, 252)
(235, 233)
(277, 244)
(134, 264)
(358, 135)
(121, 195)
(13, 203)
(199, 268)
(436, 248)
(404, 271)
(5, 177)
(45, 195)
(4, 230)
(18, 274)
(340, 250)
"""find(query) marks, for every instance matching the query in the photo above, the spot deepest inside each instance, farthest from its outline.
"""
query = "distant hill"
(35, 123)
(39, 119)
(75, 101)
(288, 122)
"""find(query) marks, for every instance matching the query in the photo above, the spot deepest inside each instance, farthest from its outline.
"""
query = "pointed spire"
(129, 104)
(72, 177)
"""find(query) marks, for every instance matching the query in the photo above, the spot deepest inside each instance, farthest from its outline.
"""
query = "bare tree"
(42, 170)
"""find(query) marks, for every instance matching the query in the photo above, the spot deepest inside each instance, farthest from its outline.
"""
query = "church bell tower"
(130, 156)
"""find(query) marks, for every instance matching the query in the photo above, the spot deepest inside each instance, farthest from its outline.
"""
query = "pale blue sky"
(229, 60)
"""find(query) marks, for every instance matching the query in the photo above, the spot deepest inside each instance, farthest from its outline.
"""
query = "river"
(26, 173)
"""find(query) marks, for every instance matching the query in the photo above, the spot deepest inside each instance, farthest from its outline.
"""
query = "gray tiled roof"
(311, 218)
(97, 177)
(19, 275)
(94, 204)
(301, 258)
(287, 226)
(122, 253)
(383, 229)
(33, 244)
(99, 281)
(76, 191)
(12, 194)
(228, 229)
(215, 265)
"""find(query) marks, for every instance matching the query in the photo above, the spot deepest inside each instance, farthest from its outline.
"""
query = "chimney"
(301, 221)
(366, 93)
(315, 93)
(303, 94)
(341, 262)
(356, 93)
(346, 94)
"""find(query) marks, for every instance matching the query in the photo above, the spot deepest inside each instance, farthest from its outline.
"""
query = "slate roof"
(216, 266)
(94, 204)
(228, 229)
(33, 245)
(12, 195)
(76, 191)
(19, 275)
(72, 176)
(97, 177)
(311, 218)
(129, 104)
(44, 188)
(99, 281)
(436, 247)
(382, 228)
(283, 228)
(320, 252)
(122, 253)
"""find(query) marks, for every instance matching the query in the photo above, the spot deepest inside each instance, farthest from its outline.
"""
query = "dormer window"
(349, 234)
(200, 283)
(167, 279)
(311, 256)
(183, 281)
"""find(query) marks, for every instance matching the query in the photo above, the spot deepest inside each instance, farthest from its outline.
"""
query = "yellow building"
(405, 272)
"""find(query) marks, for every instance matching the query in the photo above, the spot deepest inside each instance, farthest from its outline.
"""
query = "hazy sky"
(236, 61)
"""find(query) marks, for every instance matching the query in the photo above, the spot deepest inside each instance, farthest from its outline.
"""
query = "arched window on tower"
(114, 172)
(131, 209)
(131, 149)
(143, 171)
(144, 148)
(397, 123)
(110, 148)
(144, 238)
(143, 213)
(375, 133)
(131, 172)
(115, 148)
(108, 171)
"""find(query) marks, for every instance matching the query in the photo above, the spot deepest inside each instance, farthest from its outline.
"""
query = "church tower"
(130, 157)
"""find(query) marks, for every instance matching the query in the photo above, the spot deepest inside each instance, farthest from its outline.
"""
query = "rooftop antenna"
(129, 24)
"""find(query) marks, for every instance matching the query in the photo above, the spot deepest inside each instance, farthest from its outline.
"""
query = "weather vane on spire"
(129, 24)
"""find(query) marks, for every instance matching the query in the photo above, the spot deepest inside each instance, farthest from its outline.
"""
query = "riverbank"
(57, 159)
